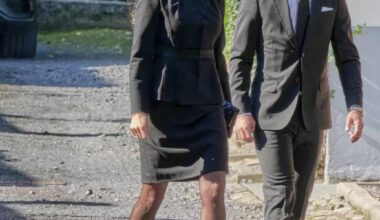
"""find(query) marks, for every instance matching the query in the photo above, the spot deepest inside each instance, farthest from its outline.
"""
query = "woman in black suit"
(178, 82)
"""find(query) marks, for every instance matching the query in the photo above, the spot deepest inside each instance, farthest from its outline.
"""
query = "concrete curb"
(360, 199)
(75, 14)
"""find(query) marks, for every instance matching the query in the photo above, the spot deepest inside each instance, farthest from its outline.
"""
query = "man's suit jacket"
(177, 53)
(264, 27)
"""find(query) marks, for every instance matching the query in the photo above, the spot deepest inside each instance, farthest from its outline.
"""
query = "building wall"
(365, 11)
(359, 161)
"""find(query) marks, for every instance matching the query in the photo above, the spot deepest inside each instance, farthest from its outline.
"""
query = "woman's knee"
(152, 195)
(213, 193)
(212, 188)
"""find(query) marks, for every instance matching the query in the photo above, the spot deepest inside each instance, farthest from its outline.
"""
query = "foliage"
(116, 41)
(229, 22)
(359, 29)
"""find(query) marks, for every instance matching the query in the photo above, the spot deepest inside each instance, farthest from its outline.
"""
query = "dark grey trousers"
(288, 159)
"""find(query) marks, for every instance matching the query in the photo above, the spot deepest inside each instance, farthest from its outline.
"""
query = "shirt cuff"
(356, 108)
(244, 114)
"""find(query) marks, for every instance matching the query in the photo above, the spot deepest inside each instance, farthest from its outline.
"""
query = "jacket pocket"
(269, 86)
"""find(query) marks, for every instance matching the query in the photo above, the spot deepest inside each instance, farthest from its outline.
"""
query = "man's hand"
(139, 125)
(245, 127)
(354, 125)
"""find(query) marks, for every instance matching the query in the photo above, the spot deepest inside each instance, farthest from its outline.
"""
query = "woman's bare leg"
(212, 187)
(150, 200)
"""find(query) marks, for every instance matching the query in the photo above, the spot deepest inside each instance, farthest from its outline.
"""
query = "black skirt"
(185, 142)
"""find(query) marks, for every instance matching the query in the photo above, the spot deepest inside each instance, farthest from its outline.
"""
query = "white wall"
(365, 11)
(360, 161)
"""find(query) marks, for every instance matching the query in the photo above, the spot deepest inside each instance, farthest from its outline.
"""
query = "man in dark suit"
(286, 107)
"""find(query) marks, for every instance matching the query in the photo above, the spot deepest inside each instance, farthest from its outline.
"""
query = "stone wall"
(74, 14)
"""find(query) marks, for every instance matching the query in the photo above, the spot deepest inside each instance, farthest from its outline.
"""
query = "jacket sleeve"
(221, 61)
(242, 54)
(142, 54)
(347, 56)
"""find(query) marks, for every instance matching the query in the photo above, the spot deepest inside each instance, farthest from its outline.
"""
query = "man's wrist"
(140, 113)
(245, 114)
(357, 108)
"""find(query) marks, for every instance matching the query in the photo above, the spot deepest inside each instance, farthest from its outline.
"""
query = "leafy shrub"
(229, 22)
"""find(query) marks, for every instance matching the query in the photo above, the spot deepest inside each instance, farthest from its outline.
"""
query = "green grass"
(96, 40)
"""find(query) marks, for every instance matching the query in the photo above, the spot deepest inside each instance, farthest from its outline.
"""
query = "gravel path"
(373, 189)
(65, 152)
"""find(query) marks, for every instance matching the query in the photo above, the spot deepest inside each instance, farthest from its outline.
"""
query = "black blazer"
(177, 53)
(264, 27)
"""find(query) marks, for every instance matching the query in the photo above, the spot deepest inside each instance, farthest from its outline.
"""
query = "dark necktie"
(302, 22)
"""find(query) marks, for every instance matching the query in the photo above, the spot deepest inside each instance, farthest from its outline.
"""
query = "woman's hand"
(139, 125)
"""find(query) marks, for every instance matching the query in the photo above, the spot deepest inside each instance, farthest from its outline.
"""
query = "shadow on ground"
(6, 127)
(10, 214)
(49, 202)
(10, 176)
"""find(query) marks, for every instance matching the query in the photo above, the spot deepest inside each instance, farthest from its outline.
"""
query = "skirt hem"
(184, 178)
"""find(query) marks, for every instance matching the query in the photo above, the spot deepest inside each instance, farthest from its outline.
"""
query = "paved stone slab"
(324, 203)
(235, 157)
(319, 191)
(360, 199)
(249, 174)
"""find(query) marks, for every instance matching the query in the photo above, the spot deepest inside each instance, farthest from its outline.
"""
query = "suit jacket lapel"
(282, 7)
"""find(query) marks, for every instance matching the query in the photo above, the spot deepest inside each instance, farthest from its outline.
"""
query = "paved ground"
(65, 152)
(324, 202)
